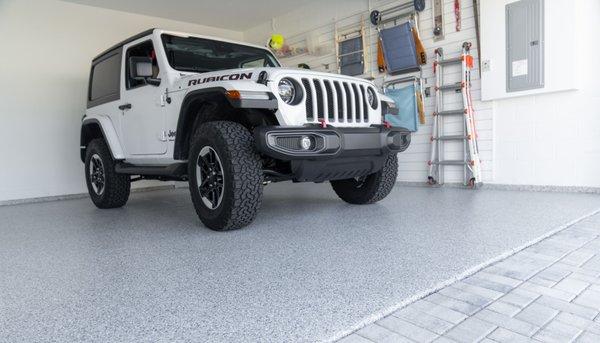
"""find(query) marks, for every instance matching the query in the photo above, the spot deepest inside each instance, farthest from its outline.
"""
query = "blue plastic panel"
(399, 49)
(406, 102)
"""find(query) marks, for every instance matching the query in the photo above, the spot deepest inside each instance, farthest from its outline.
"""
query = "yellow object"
(420, 107)
(380, 58)
(276, 42)
(421, 54)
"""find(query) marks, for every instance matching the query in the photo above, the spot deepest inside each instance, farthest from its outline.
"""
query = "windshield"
(203, 55)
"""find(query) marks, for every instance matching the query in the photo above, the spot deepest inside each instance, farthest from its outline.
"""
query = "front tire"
(371, 188)
(225, 175)
(106, 188)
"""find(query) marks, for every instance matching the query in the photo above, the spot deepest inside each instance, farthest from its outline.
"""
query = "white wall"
(47, 47)
(554, 139)
(320, 21)
(557, 37)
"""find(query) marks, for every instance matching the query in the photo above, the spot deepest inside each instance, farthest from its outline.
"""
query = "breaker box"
(524, 45)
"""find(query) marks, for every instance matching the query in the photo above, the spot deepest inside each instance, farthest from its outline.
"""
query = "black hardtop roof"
(120, 44)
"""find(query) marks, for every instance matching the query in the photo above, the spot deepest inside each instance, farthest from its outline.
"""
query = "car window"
(105, 78)
(145, 49)
(201, 55)
(253, 63)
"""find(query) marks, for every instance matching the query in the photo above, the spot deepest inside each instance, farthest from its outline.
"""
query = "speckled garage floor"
(309, 268)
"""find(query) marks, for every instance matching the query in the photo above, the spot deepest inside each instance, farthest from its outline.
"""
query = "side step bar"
(176, 170)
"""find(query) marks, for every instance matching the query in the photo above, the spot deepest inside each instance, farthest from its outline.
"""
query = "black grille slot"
(356, 102)
(340, 105)
(290, 143)
(366, 105)
(330, 100)
(348, 103)
(319, 92)
(310, 116)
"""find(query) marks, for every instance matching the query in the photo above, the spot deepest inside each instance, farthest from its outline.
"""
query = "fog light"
(398, 141)
(305, 143)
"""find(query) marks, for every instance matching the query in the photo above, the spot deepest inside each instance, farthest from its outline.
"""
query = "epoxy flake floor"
(308, 268)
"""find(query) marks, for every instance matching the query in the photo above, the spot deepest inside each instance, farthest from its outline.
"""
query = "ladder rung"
(451, 138)
(451, 162)
(451, 113)
(451, 60)
(452, 86)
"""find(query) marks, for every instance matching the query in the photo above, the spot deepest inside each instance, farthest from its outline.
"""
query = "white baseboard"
(507, 187)
(75, 196)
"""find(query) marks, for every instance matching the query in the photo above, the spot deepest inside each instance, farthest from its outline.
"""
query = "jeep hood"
(230, 77)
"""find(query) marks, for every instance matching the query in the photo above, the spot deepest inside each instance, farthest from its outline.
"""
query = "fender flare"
(217, 93)
(184, 119)
(108, 132)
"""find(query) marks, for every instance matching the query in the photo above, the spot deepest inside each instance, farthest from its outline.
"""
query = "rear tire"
(106, 188)
(371, 188)
(225, 175)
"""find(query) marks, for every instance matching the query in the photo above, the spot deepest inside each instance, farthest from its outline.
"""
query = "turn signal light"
(233, 95)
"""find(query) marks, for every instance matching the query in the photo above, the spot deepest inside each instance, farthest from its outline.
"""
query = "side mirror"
(140, 68)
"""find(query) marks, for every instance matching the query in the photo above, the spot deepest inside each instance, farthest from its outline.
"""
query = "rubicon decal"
(232, 77)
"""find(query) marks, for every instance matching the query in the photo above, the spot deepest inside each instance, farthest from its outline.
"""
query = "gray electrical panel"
(524, 45)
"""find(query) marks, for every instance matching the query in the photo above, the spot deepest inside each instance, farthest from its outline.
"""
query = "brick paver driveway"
(548, 292)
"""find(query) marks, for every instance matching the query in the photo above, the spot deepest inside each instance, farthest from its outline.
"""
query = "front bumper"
(283, 142)
(334, 153)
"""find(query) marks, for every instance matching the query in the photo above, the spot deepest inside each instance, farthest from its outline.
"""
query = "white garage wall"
(320, 20)
(47, 47)
(552, 139)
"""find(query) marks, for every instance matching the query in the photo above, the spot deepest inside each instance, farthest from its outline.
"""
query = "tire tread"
(247, 177)
(377, 186)
(117, 186)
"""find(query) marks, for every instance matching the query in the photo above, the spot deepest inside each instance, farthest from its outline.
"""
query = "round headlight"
(372, 98)
(287, 91)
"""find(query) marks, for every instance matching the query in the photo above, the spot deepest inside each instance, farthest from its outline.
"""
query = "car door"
(142, 112)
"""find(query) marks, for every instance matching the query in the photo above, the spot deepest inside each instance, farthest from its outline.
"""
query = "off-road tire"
(373, 188)
(116, 187)
(242, 174)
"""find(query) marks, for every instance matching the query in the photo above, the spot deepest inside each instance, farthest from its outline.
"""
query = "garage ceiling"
(235, 15)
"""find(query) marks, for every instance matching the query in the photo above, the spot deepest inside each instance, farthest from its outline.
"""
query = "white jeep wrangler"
(227, 118)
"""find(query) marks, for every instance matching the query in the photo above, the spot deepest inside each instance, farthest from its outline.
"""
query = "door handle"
(125, 107)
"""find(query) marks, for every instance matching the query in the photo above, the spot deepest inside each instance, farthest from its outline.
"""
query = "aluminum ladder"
(470, 161)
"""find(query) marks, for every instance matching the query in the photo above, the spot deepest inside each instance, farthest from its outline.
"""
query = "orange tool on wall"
(380, 58)
(421, 53)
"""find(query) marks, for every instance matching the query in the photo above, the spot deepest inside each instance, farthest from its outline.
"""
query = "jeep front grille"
(335, 101)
